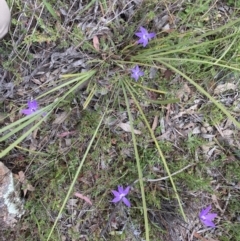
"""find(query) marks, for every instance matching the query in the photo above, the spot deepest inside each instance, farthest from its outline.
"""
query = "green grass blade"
(138, 167)
(75, 177)
(201, 90)
(158, 148)
(18, 122)
(82, 77)
(15, 143)
(25, 121)
(22, 123)
(228, 47)
(50, 9)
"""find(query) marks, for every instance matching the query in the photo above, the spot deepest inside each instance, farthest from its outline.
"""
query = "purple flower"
(136, 73)
(120, 195)
(144, 36)
(32, 107)
(206, 218)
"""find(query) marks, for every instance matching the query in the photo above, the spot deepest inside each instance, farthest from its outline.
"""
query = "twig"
(164, 178)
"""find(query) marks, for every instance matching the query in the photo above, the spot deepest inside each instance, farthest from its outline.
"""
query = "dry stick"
(164, 178)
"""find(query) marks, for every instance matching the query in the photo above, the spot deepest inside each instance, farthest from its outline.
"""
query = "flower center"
(122, 195)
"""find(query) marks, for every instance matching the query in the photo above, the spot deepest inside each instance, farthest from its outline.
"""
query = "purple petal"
(143, 30)
(115, 193)
(143, 41)
(139, 34)
(209, 223)
(134, 76)
(144, 36)
(33, 104)
(120, 189)
(211, 216)
(126, 191)
(136, 69)
(32, 107)
(141, 73)
(126, 202)
(151, 35)
(26, 111)
(136, 73)
(205, 211)
(116, 199)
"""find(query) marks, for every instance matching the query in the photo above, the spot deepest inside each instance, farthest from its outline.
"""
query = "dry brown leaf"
(85, 198)
(198, 236)
(155, 122)
(21, 176)
(211, 239)
(72, 202)
(66, 133)
(127, 127)
(183, 93)
(96, 43)
(36, 81)
(61, 118)
(168, 74)
(33, 144)
(207, 148)
(35, 132)
(224, 87)
(28, 187)
(227, 133)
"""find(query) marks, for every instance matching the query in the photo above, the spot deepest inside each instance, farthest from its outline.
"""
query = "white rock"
(11, 205)
(5, 18)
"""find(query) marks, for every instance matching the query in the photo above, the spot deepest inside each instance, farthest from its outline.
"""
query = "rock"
(5, 18)
(11, 205)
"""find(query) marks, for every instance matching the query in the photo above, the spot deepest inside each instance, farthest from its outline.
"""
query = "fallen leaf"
(61, 118)
(96, 43)
(85, 198)
(127, 127)
(36, 81)
(155, 122)
(224, 87)
(28, 187)
(184, 93)
(227, 133)
(166, 28)
(198, 236)
(66, 133)
(168, 74)
(72, 202)
(21, 176)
